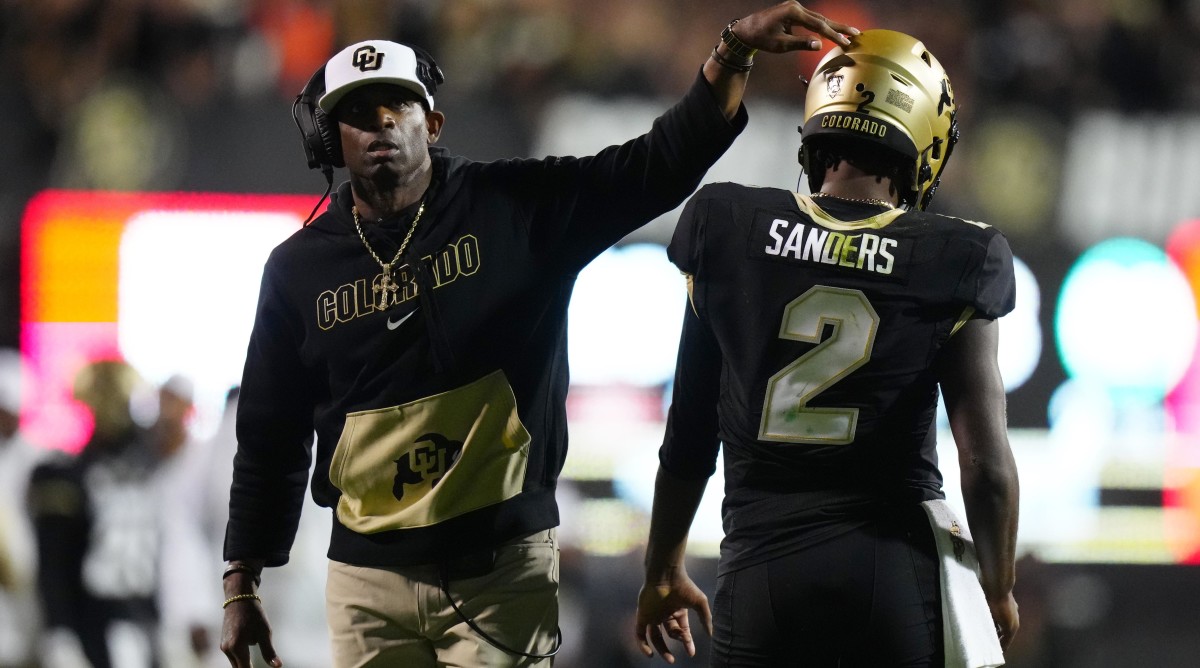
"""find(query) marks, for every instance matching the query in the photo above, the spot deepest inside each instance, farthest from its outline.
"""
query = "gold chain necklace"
(876, 202)
(387, 287)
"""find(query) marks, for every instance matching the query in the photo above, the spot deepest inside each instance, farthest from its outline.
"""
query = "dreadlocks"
(827, 151)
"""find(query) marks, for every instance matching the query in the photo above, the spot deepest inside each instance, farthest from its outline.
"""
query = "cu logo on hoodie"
(428, 462)
(366, 58)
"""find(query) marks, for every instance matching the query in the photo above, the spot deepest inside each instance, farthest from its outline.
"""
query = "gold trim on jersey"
(432, 459)
(691, 288)
(814, 211)
(962, 319)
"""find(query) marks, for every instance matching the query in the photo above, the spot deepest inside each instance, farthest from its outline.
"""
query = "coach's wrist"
(242, 576)
(239, 583)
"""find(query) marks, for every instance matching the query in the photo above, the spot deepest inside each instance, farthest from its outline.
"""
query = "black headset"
(319, 132)
(322, 146)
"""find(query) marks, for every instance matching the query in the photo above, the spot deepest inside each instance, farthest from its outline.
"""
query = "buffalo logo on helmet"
(947, 97)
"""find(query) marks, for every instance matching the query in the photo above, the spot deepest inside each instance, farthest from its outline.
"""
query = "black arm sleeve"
(588, 204)
(274, 430)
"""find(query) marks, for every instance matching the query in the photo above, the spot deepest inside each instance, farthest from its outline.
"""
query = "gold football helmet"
(886, 88)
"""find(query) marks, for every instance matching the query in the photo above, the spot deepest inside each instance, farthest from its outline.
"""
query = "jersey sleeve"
(686, 249)
(687, 241)
(990, 286)
(691, 442)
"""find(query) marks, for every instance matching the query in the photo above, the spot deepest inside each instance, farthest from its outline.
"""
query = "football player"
(818, 333)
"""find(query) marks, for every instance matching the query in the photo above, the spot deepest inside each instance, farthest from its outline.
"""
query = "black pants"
(870, 597)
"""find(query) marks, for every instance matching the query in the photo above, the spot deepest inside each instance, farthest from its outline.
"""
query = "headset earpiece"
(331, 141)
(427, 70)
(322, 144)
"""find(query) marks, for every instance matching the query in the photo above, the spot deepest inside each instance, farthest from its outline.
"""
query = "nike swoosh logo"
(393, 325)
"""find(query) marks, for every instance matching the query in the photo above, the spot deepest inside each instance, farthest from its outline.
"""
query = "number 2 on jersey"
(787, 417)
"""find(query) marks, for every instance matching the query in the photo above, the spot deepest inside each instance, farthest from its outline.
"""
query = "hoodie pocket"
(432, 459)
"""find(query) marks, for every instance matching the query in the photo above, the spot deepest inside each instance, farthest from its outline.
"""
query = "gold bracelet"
(240, 597)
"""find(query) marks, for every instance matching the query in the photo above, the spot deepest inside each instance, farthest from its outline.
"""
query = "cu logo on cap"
(366, 58)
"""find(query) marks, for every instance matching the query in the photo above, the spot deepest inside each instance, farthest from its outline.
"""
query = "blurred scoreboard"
(168, 282)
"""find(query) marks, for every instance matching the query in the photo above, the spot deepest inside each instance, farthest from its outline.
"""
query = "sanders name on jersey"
(864, 250)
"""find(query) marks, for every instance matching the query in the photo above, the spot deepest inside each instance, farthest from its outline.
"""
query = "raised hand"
(789, 26)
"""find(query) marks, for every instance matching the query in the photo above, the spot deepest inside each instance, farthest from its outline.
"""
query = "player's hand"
(664, 606)
(789, 26)
(245, 625)
(1004, 614)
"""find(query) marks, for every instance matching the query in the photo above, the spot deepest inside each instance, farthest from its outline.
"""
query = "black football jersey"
(808, 351)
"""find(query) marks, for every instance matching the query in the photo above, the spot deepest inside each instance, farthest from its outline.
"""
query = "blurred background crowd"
(193, 94)
(1080, 123)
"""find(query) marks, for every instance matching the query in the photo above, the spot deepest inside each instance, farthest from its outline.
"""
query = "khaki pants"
(400, 618)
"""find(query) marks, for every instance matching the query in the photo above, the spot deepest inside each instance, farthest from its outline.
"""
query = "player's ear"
(433, 125)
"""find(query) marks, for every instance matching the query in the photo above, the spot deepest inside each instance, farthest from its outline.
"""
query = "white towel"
(970, 635)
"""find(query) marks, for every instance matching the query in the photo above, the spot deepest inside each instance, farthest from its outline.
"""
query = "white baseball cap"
(373, 61)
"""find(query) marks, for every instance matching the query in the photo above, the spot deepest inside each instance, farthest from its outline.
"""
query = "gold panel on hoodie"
(432, 459)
